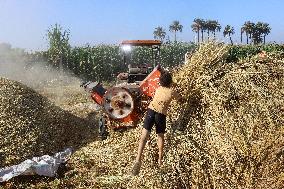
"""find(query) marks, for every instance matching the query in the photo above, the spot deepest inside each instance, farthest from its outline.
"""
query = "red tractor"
(125, 103)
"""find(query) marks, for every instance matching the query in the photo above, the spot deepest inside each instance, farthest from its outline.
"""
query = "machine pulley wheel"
(118, 103)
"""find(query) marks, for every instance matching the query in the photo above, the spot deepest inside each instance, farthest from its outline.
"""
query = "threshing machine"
(125, 103)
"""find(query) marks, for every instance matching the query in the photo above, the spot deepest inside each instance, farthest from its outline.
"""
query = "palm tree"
(212, 26)
(245, 30)
(257, 31)
(266, 30)
(229, 31)
(174, 27)
(159, 33)
(248, 28)
(208, 27)
(197, 27)
(242, 31)
(216, 27)
(203, 28)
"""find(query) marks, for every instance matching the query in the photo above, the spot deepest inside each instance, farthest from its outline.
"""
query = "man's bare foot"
(136, 168)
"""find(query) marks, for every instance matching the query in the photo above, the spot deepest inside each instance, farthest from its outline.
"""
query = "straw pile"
(33, 126)
(232, 124)
(228, 133)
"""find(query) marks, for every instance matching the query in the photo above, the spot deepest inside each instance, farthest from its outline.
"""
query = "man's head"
(166, 79)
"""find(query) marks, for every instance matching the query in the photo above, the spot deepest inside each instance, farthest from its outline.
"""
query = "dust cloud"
(18, 65)
(15, 64)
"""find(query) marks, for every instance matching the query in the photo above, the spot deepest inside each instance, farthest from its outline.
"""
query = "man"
(156, 115)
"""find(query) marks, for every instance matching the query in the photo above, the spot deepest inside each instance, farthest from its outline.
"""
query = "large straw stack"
(33, 126)
(232, 123)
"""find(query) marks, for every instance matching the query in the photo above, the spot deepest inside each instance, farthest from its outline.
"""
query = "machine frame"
(123, 105)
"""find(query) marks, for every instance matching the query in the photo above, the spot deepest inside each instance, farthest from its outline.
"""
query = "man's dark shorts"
(156, 118)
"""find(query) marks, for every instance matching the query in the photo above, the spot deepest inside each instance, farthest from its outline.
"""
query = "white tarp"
(45, 165)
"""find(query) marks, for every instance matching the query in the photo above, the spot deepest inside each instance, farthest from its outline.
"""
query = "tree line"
(255, 32)
(104, 62)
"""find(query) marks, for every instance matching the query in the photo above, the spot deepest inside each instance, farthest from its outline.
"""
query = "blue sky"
(23, 23)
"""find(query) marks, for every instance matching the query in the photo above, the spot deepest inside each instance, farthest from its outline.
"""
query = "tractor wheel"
(103, 130)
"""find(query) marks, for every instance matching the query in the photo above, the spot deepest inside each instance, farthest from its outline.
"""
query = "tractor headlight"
(126, 48)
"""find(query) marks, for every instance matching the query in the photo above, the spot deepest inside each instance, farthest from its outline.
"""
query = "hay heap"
(232, 126)
(30, 125)
(228, 133)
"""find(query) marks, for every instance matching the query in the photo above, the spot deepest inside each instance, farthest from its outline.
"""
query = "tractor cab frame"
(137, 73)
